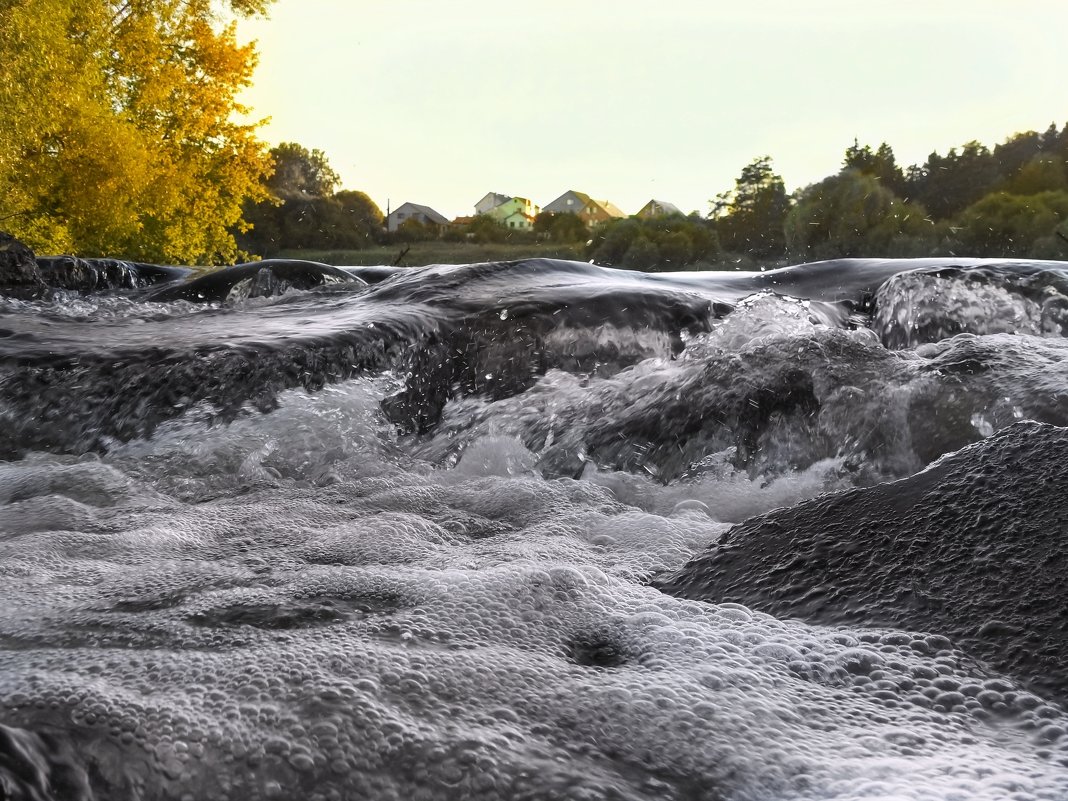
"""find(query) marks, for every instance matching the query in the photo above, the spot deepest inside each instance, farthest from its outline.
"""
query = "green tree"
(676, 250)
(361, 219)
(1006, 225)
(750, 218)
(643, 254)
(662, 243)
(563, 228)
(612, 240)
(853, 214)
(880, 164)
(483, 229)
(413, 230)
(116, 127)
(1043, 173)
(1016, 151)
(704, 243)
(302, 213)
(299, 173)
(945, 185)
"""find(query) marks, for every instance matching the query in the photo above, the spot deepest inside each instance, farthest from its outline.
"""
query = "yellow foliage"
(116, 128)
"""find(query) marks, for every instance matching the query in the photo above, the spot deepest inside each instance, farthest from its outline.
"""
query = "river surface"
(435, 534)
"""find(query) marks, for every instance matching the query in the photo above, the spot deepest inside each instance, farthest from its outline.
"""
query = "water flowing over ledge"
(287, 530)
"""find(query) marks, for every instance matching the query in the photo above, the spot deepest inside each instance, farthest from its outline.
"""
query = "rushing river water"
(537, 530)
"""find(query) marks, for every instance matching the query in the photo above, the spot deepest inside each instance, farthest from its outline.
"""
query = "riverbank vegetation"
(1008, 202)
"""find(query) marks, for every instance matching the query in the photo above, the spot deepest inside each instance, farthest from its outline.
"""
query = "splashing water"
(405, 541)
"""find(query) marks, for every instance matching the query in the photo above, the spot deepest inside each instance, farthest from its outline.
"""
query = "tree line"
(1011, 201)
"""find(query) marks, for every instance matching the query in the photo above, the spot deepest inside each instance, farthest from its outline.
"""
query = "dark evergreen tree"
(749, 219)
(945, 185)
(880, 164)
(1017, 151)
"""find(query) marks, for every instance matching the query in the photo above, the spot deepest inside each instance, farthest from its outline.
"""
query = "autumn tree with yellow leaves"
(118, 129)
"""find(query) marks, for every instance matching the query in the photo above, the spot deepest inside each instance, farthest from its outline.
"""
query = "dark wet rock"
(24, 276)
(19, 275)
(81, 404)
(103, 275)
(780, 403)
(786, 402)
(496, 341)
(492, 331)
(972, 386)
(974, 548)
(39, 767)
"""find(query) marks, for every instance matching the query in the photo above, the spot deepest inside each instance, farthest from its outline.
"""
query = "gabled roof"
(518, 213)
(560, 205)
(611, 209)
(515, 199)
(495, 197)
(433, 216)
(662, 207)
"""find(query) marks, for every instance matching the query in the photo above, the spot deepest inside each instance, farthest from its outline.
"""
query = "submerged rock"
(930, 304)
(972, 548)
(260, 279)
(104, 275)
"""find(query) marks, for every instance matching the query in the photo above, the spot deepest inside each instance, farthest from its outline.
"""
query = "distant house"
(518, 220)
(571, 202)
(658, 208)
(491, 201)
(413, 211)
(515, 212)
(599, 211)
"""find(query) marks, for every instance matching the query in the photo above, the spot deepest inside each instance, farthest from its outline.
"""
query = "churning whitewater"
(534, 530)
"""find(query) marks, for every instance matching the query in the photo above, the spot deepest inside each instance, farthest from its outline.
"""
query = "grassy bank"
(421, 253)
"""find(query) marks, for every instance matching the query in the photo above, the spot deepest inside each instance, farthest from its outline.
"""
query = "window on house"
(400, 215)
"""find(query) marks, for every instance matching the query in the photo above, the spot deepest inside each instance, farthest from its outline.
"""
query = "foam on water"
(194, 630)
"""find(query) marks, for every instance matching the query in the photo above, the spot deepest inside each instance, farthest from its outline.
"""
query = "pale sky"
(441, 102)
